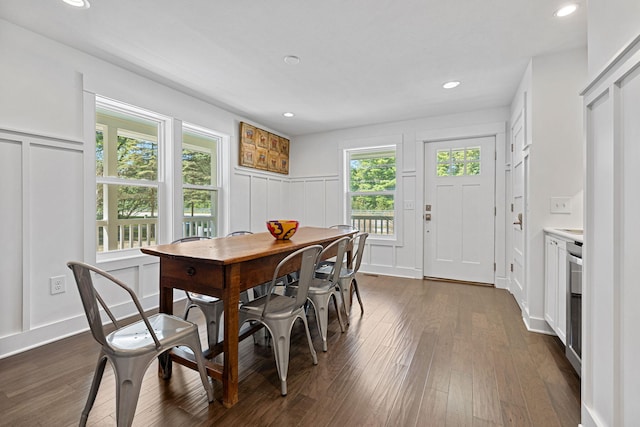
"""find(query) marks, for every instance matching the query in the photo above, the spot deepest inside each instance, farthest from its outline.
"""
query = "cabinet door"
(551, 282)
(561, 318)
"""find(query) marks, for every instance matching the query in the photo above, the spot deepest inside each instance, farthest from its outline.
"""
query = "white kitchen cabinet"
(555, 289)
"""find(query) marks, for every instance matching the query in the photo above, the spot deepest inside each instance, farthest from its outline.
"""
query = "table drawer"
(198, 277)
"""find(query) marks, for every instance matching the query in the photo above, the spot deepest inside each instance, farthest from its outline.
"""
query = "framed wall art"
(263, 150)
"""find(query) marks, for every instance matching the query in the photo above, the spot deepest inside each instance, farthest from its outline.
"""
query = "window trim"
(374, 145)
(220, 141)
(163, 143)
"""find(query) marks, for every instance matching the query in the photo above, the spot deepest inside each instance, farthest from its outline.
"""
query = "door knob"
(519, 221)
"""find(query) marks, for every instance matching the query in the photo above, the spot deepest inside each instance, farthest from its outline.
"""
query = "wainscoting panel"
(259, 198)
(55, 221)
(314, 203)
(11, 231)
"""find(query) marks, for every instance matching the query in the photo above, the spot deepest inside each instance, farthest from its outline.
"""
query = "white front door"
(459, 211)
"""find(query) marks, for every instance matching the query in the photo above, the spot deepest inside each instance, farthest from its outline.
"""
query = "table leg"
(166, 306)
(231, 331)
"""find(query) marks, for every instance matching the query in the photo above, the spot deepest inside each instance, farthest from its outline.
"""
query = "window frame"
(163, 140)
(217, 188)
(370, 146)
(169, 179)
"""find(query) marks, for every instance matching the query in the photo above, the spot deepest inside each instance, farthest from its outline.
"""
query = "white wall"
(316, 168)
(611, 25)
(556, 160)
(554, 145)
(46, 185)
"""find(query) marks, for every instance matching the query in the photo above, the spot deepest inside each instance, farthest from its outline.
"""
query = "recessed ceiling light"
(292, 60)
(288, 114)
(566, 10)
(450, 85)
(81, 4)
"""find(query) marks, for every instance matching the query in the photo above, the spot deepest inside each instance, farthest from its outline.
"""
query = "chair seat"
(205, 299)
(135, 338)
(319, 286)
(324, 270)
(279, 307)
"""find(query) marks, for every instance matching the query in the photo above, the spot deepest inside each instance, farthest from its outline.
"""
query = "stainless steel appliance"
(574, 304)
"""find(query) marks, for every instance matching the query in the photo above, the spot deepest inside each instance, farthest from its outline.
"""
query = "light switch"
(409, 205)
(561, 205)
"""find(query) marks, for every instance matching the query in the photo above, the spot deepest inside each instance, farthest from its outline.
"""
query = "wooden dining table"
(223, 267)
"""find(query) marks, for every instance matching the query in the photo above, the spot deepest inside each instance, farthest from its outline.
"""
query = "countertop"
(573, 234)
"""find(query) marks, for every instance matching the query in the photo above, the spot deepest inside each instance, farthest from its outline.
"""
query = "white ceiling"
(362, 61)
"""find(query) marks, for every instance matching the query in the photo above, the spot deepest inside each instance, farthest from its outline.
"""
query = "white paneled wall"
(315, 195)
(314, 201)
(41, 215)
(54, 190)
(317, 202)
(610, 348)
(257, 197)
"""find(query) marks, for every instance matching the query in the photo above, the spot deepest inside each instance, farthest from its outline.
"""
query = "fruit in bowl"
(282, 229)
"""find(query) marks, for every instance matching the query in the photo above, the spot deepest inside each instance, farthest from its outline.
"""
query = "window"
(136, 205)
(458, 161)
(127, 142)
(371, 189)
(199, 182)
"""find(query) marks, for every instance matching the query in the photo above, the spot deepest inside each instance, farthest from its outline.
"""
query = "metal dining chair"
(278, 312)
(348, 279)
(212, 307)
(323, 288)
(130, 348)
(347, 228)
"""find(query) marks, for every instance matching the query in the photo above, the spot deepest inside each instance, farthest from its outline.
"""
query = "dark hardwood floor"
(424, 353)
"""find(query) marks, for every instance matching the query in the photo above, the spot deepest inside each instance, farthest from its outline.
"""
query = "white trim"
(26, 236)
(617, 58)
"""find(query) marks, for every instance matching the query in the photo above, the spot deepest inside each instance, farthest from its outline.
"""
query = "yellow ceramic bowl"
(282, 229)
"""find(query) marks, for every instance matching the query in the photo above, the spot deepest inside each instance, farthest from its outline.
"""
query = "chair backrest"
(307, 258)
(190, 239)
(344, 227)
(341, 247)
(92, 301)
(358, 245)
(239, 233)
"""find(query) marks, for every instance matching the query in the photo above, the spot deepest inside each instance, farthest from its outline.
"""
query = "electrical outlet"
(57, 284)
(561, 205)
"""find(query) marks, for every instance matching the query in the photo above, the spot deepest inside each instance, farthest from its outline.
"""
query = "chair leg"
(314, 356)
(335, 303)
(166, 365)
(129, 373)
(281, 331)
(187, 307)
(95, 385)
(214, 320)
(194, 344)
(345, 286)
(354, 283)
(322, 317)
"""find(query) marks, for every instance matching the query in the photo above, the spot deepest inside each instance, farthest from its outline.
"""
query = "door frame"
(496, 129)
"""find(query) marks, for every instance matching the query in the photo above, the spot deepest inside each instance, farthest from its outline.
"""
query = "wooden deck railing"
(138, 232)
(373, 224)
